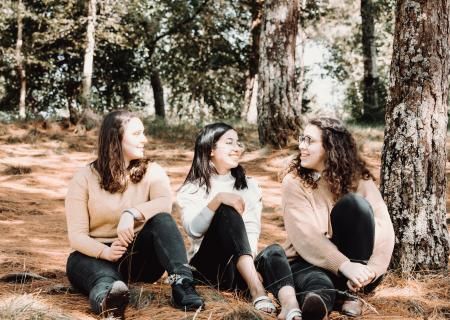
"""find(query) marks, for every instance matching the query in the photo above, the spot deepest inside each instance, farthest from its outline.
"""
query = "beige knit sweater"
(93, 213)
(306, 214)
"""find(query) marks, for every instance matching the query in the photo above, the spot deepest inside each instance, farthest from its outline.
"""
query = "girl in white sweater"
(221, 212)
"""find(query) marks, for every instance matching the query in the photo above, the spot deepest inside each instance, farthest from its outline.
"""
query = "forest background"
(265, 66)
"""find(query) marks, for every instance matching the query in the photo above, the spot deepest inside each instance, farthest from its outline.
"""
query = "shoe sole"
(189, 307)
(314, 308)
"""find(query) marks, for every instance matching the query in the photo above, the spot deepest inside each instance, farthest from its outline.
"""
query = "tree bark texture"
(413, 181)
(277, 119)
(19, 59)
(158, 94)
(89, 55)
(249, 111)
(371, 110)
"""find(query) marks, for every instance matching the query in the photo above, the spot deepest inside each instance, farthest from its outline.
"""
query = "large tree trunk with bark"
(249, 111)
(277, 119)
(370, 110)
(20, 62)
(158, 94)
(413, 180)
(89, 55)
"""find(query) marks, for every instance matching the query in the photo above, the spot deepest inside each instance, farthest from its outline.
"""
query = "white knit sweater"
(196, 216)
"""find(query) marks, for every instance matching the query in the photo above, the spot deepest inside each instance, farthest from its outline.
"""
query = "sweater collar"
(222, 178)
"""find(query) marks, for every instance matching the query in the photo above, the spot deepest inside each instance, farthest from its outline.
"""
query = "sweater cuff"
(335, 261)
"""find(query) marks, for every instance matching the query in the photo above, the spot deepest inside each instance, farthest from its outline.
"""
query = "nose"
(144, 138)
(302, 145)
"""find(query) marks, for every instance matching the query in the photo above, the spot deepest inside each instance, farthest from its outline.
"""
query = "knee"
(270, 256)
(161, 218)
(226, 210)
(228, 213)
(271, 252)
(356, 204)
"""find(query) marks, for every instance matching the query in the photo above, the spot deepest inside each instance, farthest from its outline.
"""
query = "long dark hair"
(344, 166)
(202, 167)
(110, 163)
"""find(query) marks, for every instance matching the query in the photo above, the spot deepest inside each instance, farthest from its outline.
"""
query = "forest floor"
(36, 164)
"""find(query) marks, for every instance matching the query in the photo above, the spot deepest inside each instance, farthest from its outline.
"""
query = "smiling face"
(227, 152)
(312, 153)
(133, 141)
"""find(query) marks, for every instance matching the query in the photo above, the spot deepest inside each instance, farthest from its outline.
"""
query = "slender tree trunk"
(413, 180)
(158, 94)
(89, 55)
(249, 111)
(20, 61)
(126, 95)
(300, 84)
(371, 110)
(277, 119)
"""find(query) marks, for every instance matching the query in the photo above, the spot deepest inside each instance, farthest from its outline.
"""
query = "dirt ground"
(36, 164)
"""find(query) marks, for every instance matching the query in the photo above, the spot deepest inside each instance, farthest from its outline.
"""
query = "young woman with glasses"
(119, 223)
(221, 213)
(339, 233)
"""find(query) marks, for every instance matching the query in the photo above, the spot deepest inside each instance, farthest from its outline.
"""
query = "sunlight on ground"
(33, 234)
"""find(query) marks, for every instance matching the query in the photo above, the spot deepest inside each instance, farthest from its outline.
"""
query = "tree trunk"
(277, 119)
(249, 110)
(413, 181)
(126, 95)
(19, 60)
(73, 114)
(300, 84)
(158, 94)
(370, 110)
(89, 55)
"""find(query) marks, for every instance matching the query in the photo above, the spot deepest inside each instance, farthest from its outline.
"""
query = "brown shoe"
(314, 308)
(352, 307)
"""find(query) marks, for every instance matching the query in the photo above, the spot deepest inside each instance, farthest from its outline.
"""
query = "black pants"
(353, 227)
(158, 247)
(223, 243)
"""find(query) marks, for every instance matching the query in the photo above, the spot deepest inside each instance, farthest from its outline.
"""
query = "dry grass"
(16, 170)
(34, 236)
(29, 306)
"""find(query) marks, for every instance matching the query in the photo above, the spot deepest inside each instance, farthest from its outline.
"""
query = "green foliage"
(199, 48)
(353, 103)
(205, 64)
(346, 61)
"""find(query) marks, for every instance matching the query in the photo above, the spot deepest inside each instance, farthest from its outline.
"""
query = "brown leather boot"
(352, 307)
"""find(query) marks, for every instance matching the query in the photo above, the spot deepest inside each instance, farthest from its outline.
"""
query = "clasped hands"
(358, 275)
(125, 232)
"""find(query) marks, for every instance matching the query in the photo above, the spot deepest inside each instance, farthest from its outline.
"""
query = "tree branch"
(174, 28)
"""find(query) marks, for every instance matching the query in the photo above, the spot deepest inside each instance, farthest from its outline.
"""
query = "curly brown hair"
(344, 166)
(110, 163)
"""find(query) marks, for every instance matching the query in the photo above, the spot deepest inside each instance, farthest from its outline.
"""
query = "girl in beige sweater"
(339, 233)
(119, 223)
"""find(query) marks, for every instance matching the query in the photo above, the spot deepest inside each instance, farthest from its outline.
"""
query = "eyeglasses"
(231, 143)
(304, 139)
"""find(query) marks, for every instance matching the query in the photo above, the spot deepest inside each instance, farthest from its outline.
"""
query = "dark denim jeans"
(158, 247)
(353, 227)
(223, 243)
